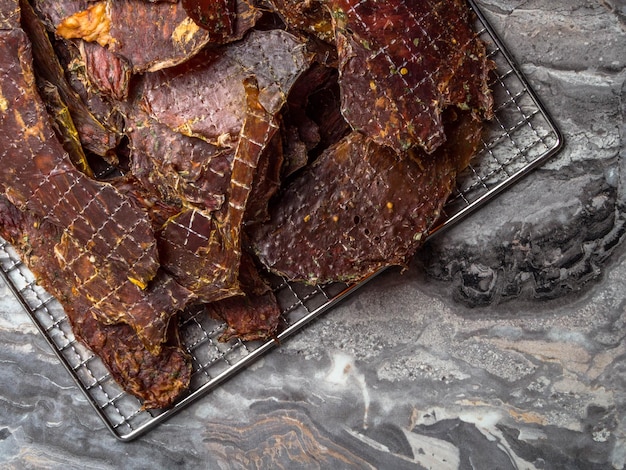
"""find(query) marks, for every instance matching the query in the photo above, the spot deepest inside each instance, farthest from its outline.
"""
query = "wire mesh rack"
(521, 136)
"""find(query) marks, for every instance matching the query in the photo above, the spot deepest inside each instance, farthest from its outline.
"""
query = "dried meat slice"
(250, 317)
(205, 97)
(310, 16)
(203, 250)
(361, 207)
(157, 379)
(9, 14)
(225, 20)
(106, 71)
(267, 181)
(93, 135)
(402, 62)
(108, 242)
(151, 36)
(216, 16)
(87, 62)
(180, 170)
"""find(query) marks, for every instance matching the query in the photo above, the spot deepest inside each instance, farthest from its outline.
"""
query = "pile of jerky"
(159, 155)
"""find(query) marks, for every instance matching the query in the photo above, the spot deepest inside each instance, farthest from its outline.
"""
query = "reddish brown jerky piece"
(402, 62)
(52, 12)
(205, 97)
(203, 250)
(151, 36)
(97, 101)
(310, 16)
(249, 317)
(36, 173)
(202, 98)
(361, 207)
(107, 242)
(110, 73)
(9, 14)
(225, 20)
(267, 181)
(216, 16)
(180, 170)
(155, 379)
(93, 135)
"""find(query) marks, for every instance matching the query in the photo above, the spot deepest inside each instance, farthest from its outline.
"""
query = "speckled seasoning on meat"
(318, 140)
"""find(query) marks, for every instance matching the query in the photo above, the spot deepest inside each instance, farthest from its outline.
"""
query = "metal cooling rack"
(521, 137)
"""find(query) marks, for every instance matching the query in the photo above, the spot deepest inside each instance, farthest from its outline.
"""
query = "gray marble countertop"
(503, 346)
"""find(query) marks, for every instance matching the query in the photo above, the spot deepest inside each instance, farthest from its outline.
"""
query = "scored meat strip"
(157, 379)
(402, 62)
(203, 250)
(229, 97)
(361, 207)
(107, 243)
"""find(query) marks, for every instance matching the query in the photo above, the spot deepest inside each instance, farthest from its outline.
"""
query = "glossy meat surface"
(361, 207)
(157, 379)
(107, 242)
(402, 62)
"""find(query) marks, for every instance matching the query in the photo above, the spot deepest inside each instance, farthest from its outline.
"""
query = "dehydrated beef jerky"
(109, 73)
(205, 97)
(52, 12)
(267, 181)
(309, 16)
(361, 207)
(402, 62)
(249, 317)
(225, 20)
(95, 92)
(151, 36)
(64, 127)
(216, 16)
(94, 136)
(107, 243)
(156, 379)
(180, 170)
(203, 250)
(9, 14)
(83, 61)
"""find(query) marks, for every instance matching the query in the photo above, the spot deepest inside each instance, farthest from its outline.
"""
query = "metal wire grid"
(520, 137)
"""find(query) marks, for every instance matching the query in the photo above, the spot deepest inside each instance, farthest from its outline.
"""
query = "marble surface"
(502, 347)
